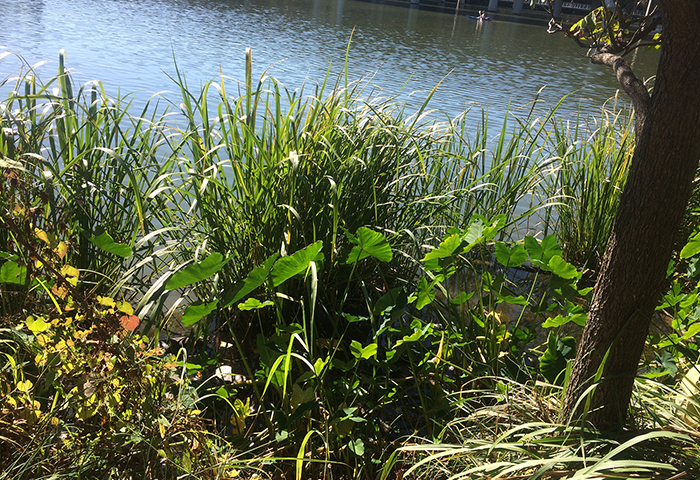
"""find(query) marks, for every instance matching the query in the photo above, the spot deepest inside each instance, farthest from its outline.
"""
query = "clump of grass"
(517, 436)
(586, 182)
(98, 169)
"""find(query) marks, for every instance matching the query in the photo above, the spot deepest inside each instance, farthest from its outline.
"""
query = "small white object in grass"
(225, 373)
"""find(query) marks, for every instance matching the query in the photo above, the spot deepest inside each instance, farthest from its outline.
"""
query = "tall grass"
(591, 169)
(98, 163)
(187, 202)
(516, 437)
(273, 170)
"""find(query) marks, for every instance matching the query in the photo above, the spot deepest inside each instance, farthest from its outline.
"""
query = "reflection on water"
(132, 44)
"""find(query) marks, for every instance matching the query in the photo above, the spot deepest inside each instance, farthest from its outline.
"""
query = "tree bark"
(632, 86)
(641, 243)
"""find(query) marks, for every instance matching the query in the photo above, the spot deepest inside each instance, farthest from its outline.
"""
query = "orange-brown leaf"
(129, 322)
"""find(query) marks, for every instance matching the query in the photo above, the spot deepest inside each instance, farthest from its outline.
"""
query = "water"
(407, 51)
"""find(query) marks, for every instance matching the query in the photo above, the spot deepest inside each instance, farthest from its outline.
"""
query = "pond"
(400, 51)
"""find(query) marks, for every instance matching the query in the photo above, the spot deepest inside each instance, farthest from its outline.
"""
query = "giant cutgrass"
(92, 158)
(302, 215)
(273, 170)
(588, 177)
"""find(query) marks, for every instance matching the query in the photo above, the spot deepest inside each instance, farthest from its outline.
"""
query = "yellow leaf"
(70, 305)
(24, 386)
(61, 250)
(239, 414)
(106, 301)
(438, 356)
(68, 271)
(37, 325)
(125, 307)
(41, 235)
(60, 292)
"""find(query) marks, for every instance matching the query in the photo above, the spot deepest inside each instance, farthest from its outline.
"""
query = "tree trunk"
(641, 243)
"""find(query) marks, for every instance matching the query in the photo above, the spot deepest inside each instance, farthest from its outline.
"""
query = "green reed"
(255, 174)
(102, 166)
(590, 173)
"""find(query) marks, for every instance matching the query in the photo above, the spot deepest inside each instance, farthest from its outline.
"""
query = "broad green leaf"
(11, 272)
(298, 262)
(550, 247)
(510, 257)
(301, 395)
(416, 336)
(369, 243)
(492, 227)
(426, 293)
(107, 243)
(553, 361)
(394, 300)
(357, 447)
(319, 365)
(196, 272)
(519, 300)
(354, 318)
(475, 231)
(254, 280)
(462, 298)
(358, 351)
(254, 304)
(197, 311)
(577, 318)
(541, 253)
(533, 247)
(560, 267)
(447, 249)
(691, 248)
(693, 330)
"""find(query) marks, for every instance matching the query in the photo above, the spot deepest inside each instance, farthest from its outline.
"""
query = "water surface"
(131, 44)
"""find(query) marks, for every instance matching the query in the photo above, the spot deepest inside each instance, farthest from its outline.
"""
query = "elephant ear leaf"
(107, 243)
(196, 272)
(692, 248)
(554, 359)
(254, 280)
(298, 262)
(369, 243)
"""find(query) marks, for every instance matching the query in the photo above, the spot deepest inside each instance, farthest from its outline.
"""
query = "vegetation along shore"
(248, 282)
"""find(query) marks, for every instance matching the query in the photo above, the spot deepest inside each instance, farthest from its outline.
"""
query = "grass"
(518, 437)
(314, 241)
(588, 180)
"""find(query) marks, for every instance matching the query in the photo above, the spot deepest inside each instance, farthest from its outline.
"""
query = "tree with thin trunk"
(652, 205)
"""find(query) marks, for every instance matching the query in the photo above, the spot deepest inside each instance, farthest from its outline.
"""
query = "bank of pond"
(258, 283)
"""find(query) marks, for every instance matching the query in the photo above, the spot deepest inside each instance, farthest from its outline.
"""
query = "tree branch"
(632, 86)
